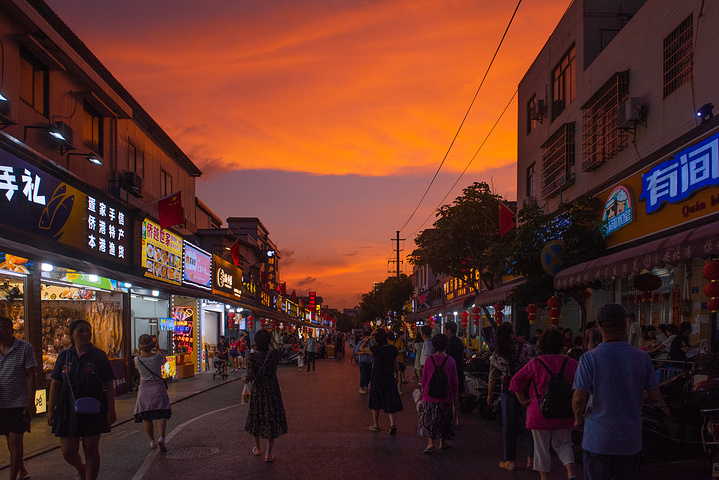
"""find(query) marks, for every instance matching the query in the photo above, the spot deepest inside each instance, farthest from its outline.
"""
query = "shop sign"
(40, 400)
(618, 209)
(197, 267)
(184, 320)
(166, 324)
(313, 301)
(678, 178)
(79, 278)
(161, 253)
(272, 272)
(264, 298)
(226, 278)
(39, 204)
(14, 264)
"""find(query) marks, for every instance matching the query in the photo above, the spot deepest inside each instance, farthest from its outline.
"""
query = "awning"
(700, 242)
(490, 297)
(457, 305)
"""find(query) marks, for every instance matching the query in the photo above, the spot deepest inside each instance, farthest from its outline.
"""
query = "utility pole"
(398, 261)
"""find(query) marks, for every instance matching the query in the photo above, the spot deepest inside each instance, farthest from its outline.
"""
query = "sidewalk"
(41, 440)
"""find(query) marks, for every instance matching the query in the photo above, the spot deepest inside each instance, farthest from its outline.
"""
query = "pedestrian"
(399, 344)
(592, 337)
(153, 402)
(634, 331)
(234, 360)
(311, 351)
(437, 419)
(82, 372)
(364, 360)
(609, 389)
(455, 349)
(17, 394)
(427, 349)
(223, 353)
(417, 349)
(266, 415)
(242, 350)
(300, 360)
(508, 358)
(535, 378)
(383, 393)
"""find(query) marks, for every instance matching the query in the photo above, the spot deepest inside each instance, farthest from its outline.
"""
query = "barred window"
(558, 161)
(601, 136)
(678, 66)
(563, 83)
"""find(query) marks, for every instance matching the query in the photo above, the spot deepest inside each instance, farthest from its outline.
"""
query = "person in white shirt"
(427, 348)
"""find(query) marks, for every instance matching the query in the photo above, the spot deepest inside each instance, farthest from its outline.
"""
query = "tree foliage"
(460, 244)
(386, 300)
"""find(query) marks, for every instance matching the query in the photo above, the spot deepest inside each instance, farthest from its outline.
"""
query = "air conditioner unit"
(132, 183)
(630, 113)
(539, 110)
(7, 113)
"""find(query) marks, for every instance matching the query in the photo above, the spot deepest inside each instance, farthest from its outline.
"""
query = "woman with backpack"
(549, 407)
(509, 357)
(439, 394)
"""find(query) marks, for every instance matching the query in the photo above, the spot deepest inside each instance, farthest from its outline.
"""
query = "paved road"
(328, 439)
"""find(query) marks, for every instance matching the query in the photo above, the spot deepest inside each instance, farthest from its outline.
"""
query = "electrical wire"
(465, 117)
(470, 162)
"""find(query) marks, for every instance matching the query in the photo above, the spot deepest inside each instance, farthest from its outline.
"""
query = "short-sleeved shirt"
(616, 375)
(427, 350)
(13, 375)
(87, 374)
(311, 344)
(636, 330)
(399, 345)
(675, 350)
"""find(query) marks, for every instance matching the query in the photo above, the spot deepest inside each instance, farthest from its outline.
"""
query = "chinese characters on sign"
(618, 209)
(31, 188)
(679, 177)
(197, 267)
(183, 317)
(271, 273)
(161, 253)
(106, 227)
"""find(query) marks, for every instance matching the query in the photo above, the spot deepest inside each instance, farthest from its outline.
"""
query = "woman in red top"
(437, 418)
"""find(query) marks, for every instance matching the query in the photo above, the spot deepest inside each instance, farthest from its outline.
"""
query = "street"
(328, 439)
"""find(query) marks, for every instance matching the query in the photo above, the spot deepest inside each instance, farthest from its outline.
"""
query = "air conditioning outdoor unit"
(630, 113)
(539, 110)
(133, 184)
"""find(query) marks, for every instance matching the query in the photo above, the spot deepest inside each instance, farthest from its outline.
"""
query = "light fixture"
(155, 293)
(705, 112)
(128, 285)
(3, 98)
(61, 131)
(46, 267)
(93, 278)
(90, 157)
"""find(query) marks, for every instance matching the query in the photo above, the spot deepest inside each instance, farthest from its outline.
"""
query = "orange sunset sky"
(326, 118)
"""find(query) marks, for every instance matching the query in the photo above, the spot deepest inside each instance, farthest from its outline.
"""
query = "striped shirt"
(13, 380)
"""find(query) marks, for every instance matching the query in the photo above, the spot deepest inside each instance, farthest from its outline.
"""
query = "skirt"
(437, 421)
(152, 396)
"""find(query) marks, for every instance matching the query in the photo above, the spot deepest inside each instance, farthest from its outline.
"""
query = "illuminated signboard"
(197, 267)
(226, 278)
(618, 209)
(161, 253)
(184, 320)
(166, 324)
(313, 301)
(36, 203)
(272, 272)
(678, 178)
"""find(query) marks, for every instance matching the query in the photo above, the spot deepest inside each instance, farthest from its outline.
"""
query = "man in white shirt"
(427, 348)
(634, 331)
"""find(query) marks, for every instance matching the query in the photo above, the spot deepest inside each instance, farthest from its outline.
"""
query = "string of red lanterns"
(711, 289)
(475, 316)
(531, 313)
(554, 305)
(498, 312)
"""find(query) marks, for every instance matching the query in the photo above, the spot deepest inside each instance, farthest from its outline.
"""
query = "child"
(300, 360)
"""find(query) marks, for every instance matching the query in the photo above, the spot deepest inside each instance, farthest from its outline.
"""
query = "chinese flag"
(506, 219)
(235, 252)
(170, 210)
(294, 296)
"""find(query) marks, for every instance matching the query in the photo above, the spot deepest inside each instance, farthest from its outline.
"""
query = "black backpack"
(557, 399)
(438, 384)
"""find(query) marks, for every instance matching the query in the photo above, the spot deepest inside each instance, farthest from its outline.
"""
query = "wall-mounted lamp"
(705, 112)
(90, 157)
(60, 132)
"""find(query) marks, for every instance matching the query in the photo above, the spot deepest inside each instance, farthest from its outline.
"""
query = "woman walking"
(510, 356)
(82, 373)
(546, 431)
(437, 419)
(383, 393)
(266, 416)
(153, 403)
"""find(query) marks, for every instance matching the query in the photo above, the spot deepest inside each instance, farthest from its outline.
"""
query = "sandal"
(428, 450)
(392, 429)
(256, 451)
(374, 429)
(270, 459)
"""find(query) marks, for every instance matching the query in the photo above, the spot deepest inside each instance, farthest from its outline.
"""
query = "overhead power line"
(465, 117)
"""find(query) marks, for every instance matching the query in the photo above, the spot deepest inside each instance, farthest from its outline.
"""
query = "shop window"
(92, 130)
(602, 138)
(678, 64)
(558, 161)
(33, 81)
(136, 160)
(563, 83)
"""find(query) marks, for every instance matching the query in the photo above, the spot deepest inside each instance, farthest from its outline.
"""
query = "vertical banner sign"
(184, 321)
(313, 301)
(271, 272)
(676, 306)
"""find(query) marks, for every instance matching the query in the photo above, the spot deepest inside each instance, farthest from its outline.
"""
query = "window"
(92, 130)
(558, 161)
(530, 181)
(563, 87)
(601, 137)
(678, 65)
(136, 160)
(165, 184)
(531, 121)
(33, 81)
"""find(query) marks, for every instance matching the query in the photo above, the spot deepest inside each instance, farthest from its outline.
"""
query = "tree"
(395, 292)
(459, 244)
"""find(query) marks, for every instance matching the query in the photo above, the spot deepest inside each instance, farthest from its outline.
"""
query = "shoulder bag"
(151, 372)
(82, 404)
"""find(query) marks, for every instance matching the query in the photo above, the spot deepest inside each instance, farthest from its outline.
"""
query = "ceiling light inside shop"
(93, 278)
(151, 299)
(46, 267)
(128, 285)
(155, 293)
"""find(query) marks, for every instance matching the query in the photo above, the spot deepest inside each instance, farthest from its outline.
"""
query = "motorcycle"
(476, 374)
(710, 437)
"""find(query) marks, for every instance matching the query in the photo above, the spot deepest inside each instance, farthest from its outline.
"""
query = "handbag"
(251, 384)
(164, 380)
(83, 404)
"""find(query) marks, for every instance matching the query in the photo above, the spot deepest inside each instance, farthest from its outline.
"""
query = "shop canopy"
(490, 297)
(683, 247)
(464, 302)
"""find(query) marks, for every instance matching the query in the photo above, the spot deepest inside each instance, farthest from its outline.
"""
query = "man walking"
(609, 391)
(17, 393)
(455, 349)
(364, 360)
(634, 331)
(311, 351)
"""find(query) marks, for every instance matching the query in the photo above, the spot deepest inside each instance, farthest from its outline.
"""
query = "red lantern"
(465, 315)
(250, 322)
(476, 320)
(231, 315)
(711, 270)
(475, 310)
(554, 322)
(531, 309)
(713, 304)
(531, 317)
(553, 313)
(464, 323)
(554, 302)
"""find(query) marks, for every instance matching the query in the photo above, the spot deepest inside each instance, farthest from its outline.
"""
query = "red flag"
(294, 296)
(235, 252)
(507, 219)
(170, 210)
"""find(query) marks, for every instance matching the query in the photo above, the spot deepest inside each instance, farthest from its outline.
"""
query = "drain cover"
(191, 452)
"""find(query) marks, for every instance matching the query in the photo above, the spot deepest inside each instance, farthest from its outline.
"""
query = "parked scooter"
(710, 435)
(476, 373)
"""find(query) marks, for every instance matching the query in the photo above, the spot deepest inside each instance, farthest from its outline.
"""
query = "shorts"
(242, 353)
(13, 420)
(233, 353)
(401, 366)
